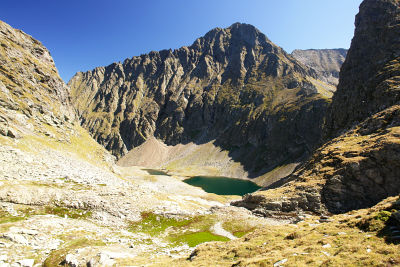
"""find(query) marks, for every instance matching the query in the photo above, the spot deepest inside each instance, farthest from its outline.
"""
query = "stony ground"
(64, 201)
(60, 206)
(68, 203)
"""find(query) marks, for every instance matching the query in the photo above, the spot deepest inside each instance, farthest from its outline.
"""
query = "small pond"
(223, 185)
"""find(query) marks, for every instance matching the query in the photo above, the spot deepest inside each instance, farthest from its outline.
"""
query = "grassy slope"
(359, 238)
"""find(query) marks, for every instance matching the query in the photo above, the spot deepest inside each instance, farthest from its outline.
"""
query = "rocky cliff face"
(233, 86)
(361, 166)
(31, 92)
(370, 75)
(326, 62)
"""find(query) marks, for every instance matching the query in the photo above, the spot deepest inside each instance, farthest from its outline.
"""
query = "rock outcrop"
(233, 86)
(326, 62)
(360, 167)
(31, 92)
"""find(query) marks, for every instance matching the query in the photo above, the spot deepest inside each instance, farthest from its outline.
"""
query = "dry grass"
(56, 257)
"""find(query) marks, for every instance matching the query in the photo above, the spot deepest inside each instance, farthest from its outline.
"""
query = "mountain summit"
(233, 86)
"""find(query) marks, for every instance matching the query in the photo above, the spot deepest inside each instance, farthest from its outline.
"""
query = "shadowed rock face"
(368, 92)
(359, 167)
(371, 73)
(326, 62)
(233, 86)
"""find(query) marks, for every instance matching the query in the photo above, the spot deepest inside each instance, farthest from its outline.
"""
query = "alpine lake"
(217, 184)
(223, 185)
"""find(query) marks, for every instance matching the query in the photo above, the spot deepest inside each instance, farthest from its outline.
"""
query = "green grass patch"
(383, 216)
(10, 219)
(191, 231)
(193, 239)
(6, 217)
(154, 224)
(238, 228)
(375, 223)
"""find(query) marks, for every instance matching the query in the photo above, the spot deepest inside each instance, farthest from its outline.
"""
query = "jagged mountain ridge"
(233, 86)
(326, 62)
(359, 167)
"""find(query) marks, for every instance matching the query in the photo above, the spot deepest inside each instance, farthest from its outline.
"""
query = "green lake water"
(223, 185)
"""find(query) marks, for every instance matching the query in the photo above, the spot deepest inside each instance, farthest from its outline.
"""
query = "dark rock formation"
(360, 167)
(326, 62)
(233, 86)
(370, 75)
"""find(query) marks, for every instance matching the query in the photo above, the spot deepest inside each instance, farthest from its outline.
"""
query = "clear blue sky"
(84, 34)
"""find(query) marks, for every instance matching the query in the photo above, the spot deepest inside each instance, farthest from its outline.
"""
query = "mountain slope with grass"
(357, 169)
(31, 92)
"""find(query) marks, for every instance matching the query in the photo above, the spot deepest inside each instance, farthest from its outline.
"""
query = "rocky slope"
(326, 62)
(233, 87)
(360, 167)
(31, 92)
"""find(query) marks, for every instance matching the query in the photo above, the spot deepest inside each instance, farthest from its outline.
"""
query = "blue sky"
(84, 34)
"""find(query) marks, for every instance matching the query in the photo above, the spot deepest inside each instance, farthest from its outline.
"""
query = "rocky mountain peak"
(237, 38)
(230, 81)
(242, 33)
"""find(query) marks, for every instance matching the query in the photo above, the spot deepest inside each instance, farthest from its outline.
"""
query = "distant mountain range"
(326, 62)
